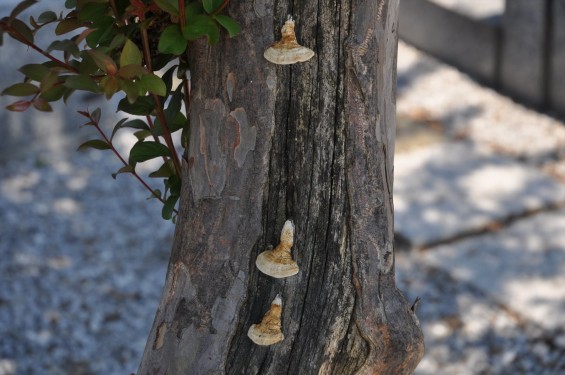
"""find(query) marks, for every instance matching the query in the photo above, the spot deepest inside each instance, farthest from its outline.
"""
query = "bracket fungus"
(268, 332)
(287, 50)
(278, 262)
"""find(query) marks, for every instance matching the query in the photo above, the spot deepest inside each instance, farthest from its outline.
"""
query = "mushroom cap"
(287, 233)
(287, 50)
(268, 332)
(261, 337)
(285, 55)
(271, 262)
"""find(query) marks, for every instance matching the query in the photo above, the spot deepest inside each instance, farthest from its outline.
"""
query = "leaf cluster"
(120, 47)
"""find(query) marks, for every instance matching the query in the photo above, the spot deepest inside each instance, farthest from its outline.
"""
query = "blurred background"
(479, 206)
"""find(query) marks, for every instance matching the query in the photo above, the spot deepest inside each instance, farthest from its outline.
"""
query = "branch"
(119, 156)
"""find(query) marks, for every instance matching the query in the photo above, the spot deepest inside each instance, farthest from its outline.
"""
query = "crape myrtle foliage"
(111, 47)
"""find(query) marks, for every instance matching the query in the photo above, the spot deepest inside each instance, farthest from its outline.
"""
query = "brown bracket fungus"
(287, 50)
(278, 262)
(268, 332)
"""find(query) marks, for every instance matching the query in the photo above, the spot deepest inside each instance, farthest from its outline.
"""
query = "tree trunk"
(312, 143)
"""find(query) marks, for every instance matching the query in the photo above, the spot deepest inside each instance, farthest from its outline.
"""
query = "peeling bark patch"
(208, 148)
(160, 337)
(247, 136)
(230, 85)
(191, 314)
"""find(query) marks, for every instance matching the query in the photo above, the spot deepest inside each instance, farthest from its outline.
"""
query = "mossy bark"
(312, 143)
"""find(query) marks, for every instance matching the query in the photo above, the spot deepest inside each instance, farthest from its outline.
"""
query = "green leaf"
(24, 33)
(131, 71)
(103, 34)
(68, 25)
(156, 194)
(117, 127)
(54, 94)
(35, 72)
(93, 12)
(129, 87)
(169, 207)
(165, 170)
(96, 114)
(118, 41)
(19, 106)
(104, 62)
(169, 6)
(175, 105)
(153, 84)
(143, 106)
(131, 55)
(192, 10)
(50, 80)
(174, 184)
(232, 26)
(48, 16)
(42, 105)
(211, 5)
(172, 41)
(21, 7)
(110, 86)
(142, 134)
(82, 82)
(133, 124)
(143, 151)
(66, 45)
(21, 89)
(167, 77)
(124, 169)
(202, 25)
(98, 144)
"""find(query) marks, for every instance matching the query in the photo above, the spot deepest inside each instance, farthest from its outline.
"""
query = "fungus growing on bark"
(287, 50)
(278, 262)
(268, 332)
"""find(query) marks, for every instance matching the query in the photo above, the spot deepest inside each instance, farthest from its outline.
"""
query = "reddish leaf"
(19, 106)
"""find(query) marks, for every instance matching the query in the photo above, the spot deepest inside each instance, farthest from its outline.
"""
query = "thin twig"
(119, 156)
(221, 7)
(159, 106)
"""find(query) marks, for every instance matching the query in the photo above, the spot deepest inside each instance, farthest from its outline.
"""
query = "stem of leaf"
(220, 8)
(181, 15)
(115, 11)
(159, 105)
(22, 39)
(156, 138)
(119, 156)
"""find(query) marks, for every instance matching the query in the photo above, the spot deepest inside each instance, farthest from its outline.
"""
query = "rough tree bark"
(312, 143)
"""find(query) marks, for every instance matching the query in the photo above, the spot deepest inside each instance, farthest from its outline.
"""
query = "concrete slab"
(522, 266)
(444, 191)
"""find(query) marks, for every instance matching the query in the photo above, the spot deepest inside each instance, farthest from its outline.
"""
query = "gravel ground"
(471, 323)
(83, 265)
